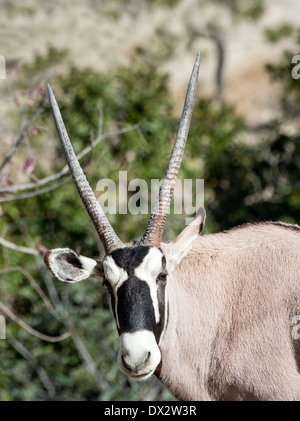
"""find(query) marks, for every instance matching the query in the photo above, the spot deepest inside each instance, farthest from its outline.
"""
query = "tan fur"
(230, 307)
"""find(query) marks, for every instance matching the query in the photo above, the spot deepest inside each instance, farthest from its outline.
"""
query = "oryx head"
(134, 274)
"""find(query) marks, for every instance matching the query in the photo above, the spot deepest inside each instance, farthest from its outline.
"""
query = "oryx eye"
(162, 277)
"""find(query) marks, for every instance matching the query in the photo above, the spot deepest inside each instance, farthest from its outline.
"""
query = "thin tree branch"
(31, 330)
(86, 357)
(35, 193)
(38, 289)
(39, 183)
(21, 249)
(49, 282)
(21, 136)
(65, 170)
(100, 123)
(19, 347)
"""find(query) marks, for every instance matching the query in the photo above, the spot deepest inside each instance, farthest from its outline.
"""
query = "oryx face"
(136, 281)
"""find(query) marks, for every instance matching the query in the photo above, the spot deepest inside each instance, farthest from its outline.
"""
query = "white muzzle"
(139, 354)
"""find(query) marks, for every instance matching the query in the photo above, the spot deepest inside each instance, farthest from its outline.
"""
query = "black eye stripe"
(107, 286)
(163, 262)
(135, 308)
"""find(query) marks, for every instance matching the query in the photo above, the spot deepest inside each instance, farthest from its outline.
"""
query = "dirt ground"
(101, 35)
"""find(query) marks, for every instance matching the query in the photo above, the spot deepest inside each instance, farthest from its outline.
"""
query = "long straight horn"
(155, 226)
(105, 231)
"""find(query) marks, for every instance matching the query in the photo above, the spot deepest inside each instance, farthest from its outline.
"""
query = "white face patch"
(116, 277)
(148, 271)
(139, 354)
(113, 273)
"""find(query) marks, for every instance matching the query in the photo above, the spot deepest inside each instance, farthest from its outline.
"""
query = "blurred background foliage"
(244, 181)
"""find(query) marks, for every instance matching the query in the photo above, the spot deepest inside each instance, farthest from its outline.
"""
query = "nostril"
(145, 359)
(134, 364)
(125, 363)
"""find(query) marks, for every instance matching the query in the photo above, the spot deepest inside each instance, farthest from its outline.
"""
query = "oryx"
(212, 316)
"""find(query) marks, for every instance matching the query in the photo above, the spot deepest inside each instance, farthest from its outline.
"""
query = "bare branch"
(100, 123)
(21, 249)
(21, 135)
(57, 176)
(34, 193)
(30, 330)
(38, 289)
(82, 350)
(19, 347)
(39, 183)
(86, 357)
(49, 282)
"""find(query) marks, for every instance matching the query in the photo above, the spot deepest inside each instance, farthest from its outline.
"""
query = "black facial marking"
(130, 258)
(134, 303)
(113, 307)
(135, 306)
(164, 262)
(161, 303)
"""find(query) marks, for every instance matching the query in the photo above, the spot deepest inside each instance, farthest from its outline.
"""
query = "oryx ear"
(179, 248)
(69, 267)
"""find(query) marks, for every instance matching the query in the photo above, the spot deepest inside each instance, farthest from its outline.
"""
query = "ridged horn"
(105, 231)
(155, 226)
